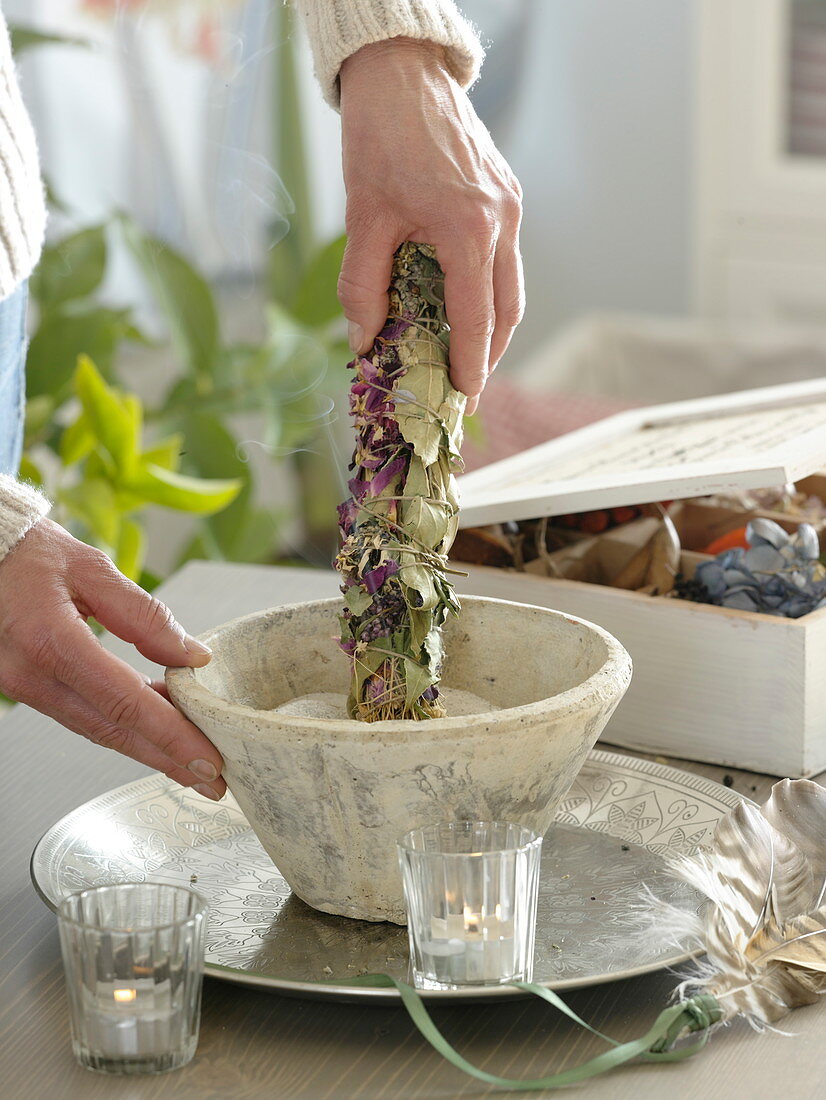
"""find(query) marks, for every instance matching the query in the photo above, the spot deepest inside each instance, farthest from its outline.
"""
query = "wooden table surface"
(257, 1044)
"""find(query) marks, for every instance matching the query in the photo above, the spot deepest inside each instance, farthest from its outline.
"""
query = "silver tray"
(620, 819)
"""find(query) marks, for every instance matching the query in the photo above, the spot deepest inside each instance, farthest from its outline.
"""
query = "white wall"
(603, 147)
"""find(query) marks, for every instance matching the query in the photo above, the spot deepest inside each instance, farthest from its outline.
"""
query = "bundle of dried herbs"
(400, 520)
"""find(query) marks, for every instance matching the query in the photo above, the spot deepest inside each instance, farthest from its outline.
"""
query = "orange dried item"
(594, 523)
(729, 541)
(624, 514)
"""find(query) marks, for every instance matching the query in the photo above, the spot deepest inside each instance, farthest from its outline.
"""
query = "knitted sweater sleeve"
(21, 506)
(338, 28)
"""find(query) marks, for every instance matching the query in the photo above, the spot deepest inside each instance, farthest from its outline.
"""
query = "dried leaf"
(634, 573)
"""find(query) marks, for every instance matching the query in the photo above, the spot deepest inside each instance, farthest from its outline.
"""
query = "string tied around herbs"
(408, 424)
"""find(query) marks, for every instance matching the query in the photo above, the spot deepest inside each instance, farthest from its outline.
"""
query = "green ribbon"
(694, 1015)
(697, 1014)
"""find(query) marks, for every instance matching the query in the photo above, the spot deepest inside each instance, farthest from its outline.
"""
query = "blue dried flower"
(779, 574)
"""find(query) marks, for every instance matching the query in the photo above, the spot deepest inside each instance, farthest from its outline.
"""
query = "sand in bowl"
(332, 707)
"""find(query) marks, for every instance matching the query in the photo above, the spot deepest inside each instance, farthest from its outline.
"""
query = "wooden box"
(711, 684)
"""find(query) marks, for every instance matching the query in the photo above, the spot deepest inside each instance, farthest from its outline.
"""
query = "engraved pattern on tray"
(615, 825)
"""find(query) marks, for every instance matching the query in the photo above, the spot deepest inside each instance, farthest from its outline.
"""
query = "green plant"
(213, 381)
(283, 379)
(280, 378)
(107, 476)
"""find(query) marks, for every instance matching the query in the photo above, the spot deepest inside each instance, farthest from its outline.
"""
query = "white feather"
(764, 927)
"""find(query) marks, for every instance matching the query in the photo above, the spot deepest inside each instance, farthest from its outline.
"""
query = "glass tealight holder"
(471, 890)
(133, 956)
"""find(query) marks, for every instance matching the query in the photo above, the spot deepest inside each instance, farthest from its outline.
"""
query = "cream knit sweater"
(336, 29)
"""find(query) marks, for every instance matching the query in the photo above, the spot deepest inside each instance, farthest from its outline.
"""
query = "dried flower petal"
(779, 574)
(398, 526)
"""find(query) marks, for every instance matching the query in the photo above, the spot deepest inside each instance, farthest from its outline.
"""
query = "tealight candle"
(471, 891)
(133, 956)
(137, 1021)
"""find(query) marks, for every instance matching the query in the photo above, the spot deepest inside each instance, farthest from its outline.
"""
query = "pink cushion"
(511, 419)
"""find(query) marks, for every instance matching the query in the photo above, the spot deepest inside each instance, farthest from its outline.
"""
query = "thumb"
(362, 285)
(126, 610)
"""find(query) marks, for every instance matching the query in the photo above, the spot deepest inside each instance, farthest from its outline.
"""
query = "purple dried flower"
(381, 527)
(375, 578)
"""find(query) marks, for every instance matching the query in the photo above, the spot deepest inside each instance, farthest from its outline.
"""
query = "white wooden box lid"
(748, 440)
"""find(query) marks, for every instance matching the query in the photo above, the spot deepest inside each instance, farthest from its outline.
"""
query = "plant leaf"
(62, 336)
(39, 413)
(256, 536)
(419, 396)
(184, 494)
(93, 502)
(24, 38)
(357, 599)
(418, 578)
(416, 680)
(115, 420)
(316, 300)
(72, 268)
(421, 623)
(77, 441)
(166, 453)
(183, 296)
(212, 452)
(424, 516)
(131, 549)
(291, 254)
(30, 472)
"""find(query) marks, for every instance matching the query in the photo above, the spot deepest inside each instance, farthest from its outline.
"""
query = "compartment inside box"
(701, 520)
(571, 552)
(717, 462)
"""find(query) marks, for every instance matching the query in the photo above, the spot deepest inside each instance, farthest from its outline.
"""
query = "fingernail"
(204, 770)
(196, 648)
(355, 335)
(207, 792)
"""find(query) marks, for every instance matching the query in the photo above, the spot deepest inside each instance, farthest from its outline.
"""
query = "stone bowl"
(328, 799)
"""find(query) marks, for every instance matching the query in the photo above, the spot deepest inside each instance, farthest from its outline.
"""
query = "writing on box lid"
(748, 440)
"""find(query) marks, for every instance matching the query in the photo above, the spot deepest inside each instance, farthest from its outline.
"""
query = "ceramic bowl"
(329, 798)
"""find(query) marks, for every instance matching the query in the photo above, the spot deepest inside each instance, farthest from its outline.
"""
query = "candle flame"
(472, 920)
(125, 995)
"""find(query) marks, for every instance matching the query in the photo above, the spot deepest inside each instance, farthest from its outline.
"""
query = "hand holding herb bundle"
(400, 521)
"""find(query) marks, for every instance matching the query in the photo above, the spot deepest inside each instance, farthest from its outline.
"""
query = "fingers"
(363, 282)
(508, 296)
(64, 649)
(469, 303)
(70, 710)
(132, 614)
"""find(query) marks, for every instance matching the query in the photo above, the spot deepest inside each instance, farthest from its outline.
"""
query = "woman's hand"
(49, 658)
(420, 166)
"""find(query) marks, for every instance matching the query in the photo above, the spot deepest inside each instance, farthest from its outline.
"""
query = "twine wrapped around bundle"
(401, 518)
